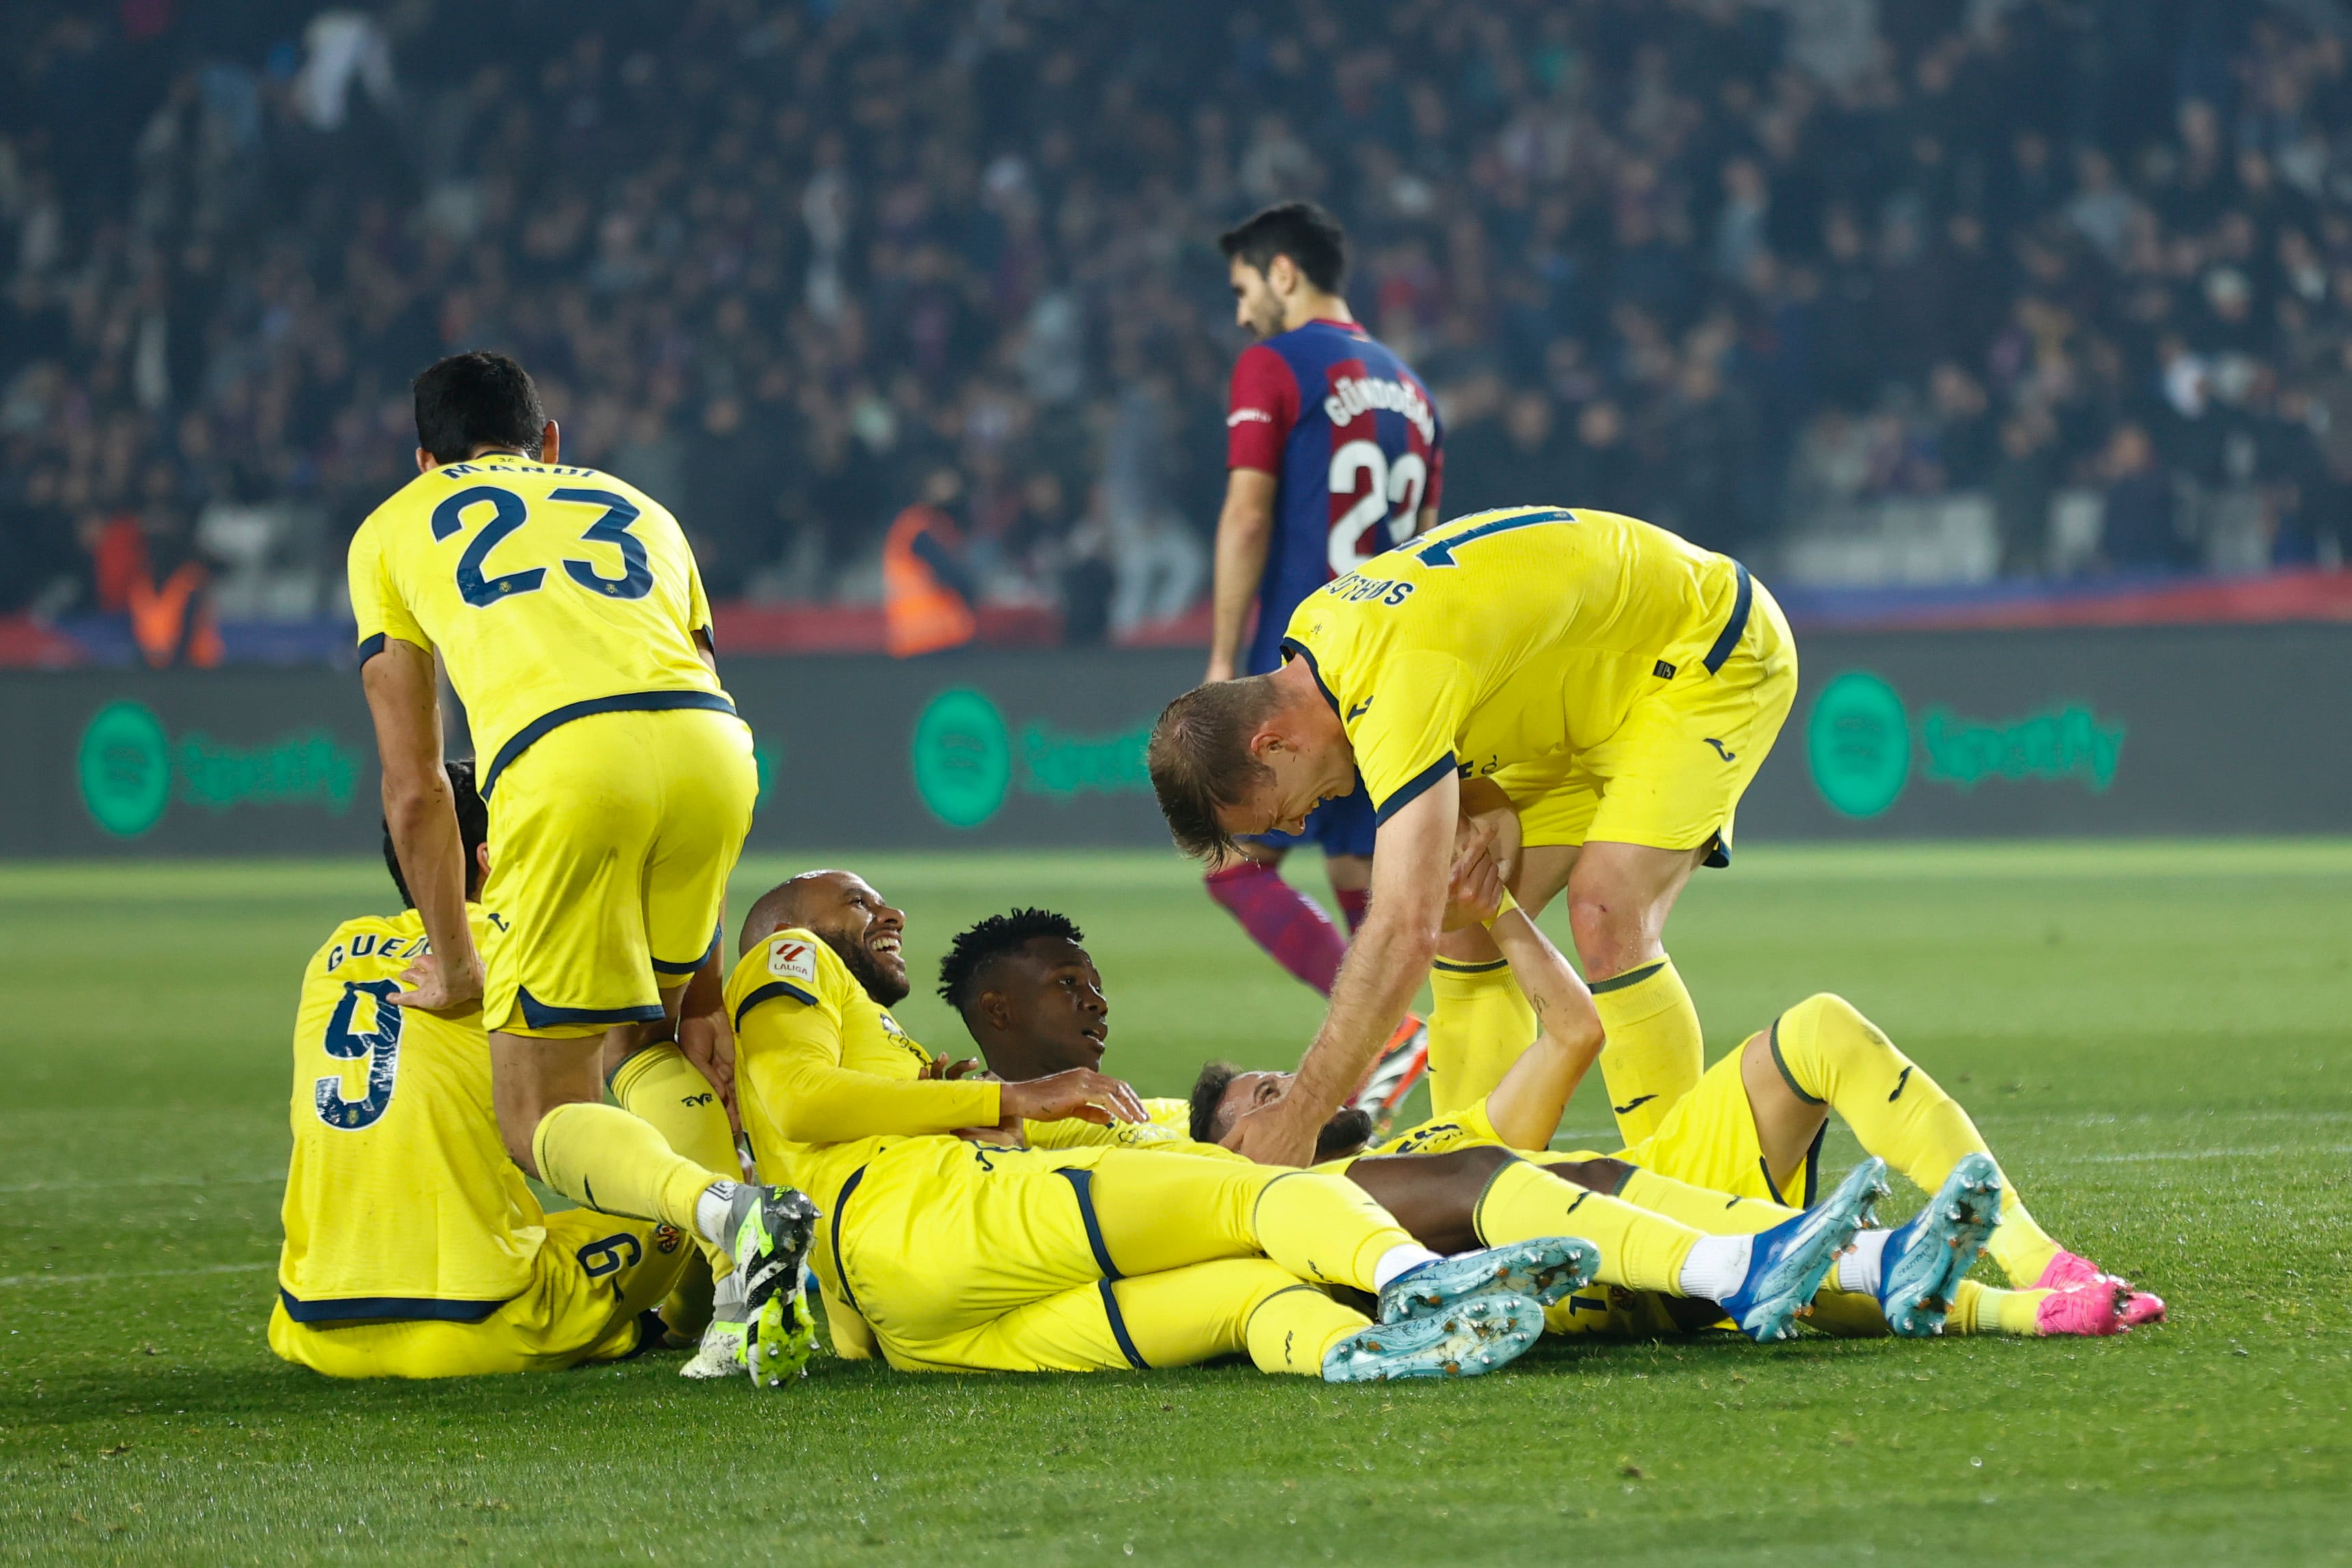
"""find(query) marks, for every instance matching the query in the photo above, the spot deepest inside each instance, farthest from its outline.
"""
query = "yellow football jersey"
(825, 1079)
(1508, 636)
(551, 592)
(400, 1199)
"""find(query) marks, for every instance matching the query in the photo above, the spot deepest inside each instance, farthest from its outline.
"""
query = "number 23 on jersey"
(499, 512)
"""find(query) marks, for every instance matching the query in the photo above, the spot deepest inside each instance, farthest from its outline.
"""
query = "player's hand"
(1489, 824)
(1474, 893)
(707, 1041)
(1080, 1093)
(433, 987)
(1221, 668)
(943, 1071)
(1276, 1134)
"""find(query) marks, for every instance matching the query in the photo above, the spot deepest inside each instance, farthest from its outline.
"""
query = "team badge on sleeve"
(794, 958)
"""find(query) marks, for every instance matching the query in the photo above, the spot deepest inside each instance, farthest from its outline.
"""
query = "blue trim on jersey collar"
(1293, 645)
(1413, 787)
(349, 1308)
(768, 993)
(619, 702)
(538, 1015)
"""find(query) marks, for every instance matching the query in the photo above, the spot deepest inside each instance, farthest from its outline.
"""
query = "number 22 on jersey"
(507, 513)
(1392, 495)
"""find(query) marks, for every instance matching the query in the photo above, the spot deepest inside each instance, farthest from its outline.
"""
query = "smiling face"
(855, 922)
(1041, 1010)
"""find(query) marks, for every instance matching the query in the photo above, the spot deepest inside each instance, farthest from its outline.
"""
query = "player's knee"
(1599, 1174)
(1612, 933)
(1826, 1015)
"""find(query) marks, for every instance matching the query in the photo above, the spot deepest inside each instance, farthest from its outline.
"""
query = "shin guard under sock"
(1479, 1024)
(1828, 1052)
(1654, 1054)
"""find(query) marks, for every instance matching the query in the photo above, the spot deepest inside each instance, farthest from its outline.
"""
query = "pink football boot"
(2068, 1271)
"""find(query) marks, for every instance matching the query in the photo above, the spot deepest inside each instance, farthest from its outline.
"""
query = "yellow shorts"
(594, 1274)
(611, 842)
(1671, 775)
(1708, 1139)
(968, 1257)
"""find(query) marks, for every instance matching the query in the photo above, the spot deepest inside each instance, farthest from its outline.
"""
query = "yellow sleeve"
(376, 603)
(1465, 1129)
(698, 605)
(1405, 717)
(787, 1008)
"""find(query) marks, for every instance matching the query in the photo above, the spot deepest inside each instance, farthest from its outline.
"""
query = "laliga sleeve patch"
(794, 958)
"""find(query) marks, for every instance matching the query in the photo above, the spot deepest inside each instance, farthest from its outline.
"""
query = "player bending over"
(1030, 995)
(1615, 684)
(414, 1248)
(962, 1253)
(1335, 454)
(566, 608)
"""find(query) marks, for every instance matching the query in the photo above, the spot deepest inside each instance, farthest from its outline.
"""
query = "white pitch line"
(2166, 1156)
(193, 1183)
(9, 1279)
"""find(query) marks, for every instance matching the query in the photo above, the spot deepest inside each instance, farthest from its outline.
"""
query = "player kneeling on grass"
(414, 1248)
(1724, 1153)
(968, 1253)
(1030, 996)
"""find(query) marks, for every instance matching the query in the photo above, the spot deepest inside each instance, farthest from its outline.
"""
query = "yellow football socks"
(1324, 1229)
(1184, 1316)
(1654, 1054)
(1638, 1250)
(1479, 1024)
(1701, 1208)
(662, 1087)
(577, 1145)
(1985, 1310)
(1830, 1052)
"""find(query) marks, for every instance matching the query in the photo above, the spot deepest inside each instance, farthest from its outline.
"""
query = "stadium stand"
(1936, 294)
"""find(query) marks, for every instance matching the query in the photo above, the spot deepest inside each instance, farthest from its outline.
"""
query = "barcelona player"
(412, 1247)
(1334, 453)
(1592, 692)
(971, 1253)
(566, 608)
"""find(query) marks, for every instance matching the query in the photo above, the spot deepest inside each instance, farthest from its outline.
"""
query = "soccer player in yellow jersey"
(566, 608)
(1725, 1155)
(1614, 684)
(968, 1253)
(1033, 1002)
(413, 1247)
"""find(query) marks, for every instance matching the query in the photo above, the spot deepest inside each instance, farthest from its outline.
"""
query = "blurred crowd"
(790, 266)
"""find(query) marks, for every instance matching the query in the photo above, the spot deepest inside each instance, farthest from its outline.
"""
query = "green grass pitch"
(2152, 1037)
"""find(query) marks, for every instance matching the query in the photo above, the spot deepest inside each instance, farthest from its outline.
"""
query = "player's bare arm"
(404, 703)
(1410, 871)
(1245, 530)
(1526, 1107)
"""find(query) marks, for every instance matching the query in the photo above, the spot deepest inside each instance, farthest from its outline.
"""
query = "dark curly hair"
(997, 936)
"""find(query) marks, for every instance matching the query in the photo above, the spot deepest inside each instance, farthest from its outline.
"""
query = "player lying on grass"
(960, 1253)
(1032, 998)
(1724, 1154)
(414, 1248)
